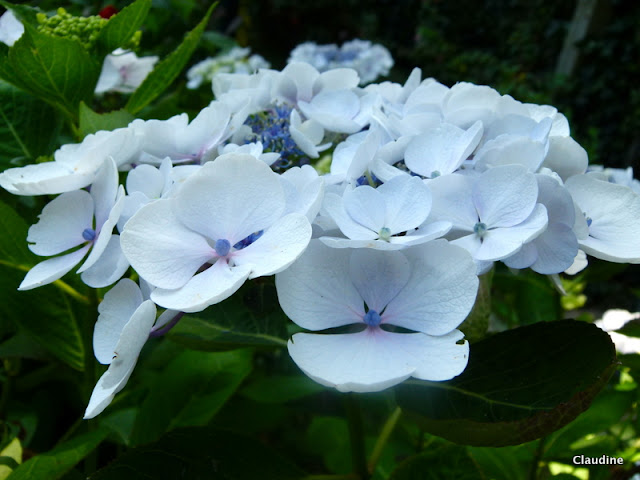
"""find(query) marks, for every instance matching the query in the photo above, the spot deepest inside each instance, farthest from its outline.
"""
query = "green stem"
(387, 429)
(533, 471)
(356, 436)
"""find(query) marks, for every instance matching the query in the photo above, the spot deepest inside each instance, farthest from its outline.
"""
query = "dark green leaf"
(49, 319)
(281, 388)
(55, 69)
(92, 122)
(121, 27)
(631, 328)
(55, 463)
(22, 345)
(475, 325)
(519, 385)
(505, 463)
(190, 392)
(201, 454)
(168, 69)
(631, 360)
(446, 461)
(328, 437)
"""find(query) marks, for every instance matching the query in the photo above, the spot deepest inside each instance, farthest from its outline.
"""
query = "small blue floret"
(480, 229)
(372, 318)
(222, 247)
(88, 234)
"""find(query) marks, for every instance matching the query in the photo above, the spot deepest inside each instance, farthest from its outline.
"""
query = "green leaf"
(22, 345)
(57, 70)
(520, 385)
(92, 122)
(233, 324)
(121, 27)
(630, 329)
(328, 437)
(281, 388)
(446, 461)
(190, 392)
(475, 325)
(55, 463)
(24, 13)
(49, 319)
(201, 453)
(505, 463)
(28, 126)
(168, 69)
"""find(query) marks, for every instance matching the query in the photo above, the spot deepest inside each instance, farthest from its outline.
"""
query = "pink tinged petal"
(566, 157)
(277, 248)
(61, 224)
(407, 203)
(161, 249)
(115, 311)
(43, 179)
(316, 292)
(133, 337)
(499, 243)
(614, 211)
(109, 268)
(231, 198)
(505, 196)
(147, 180)
(212, 286)
(452, 201)
(366, 206)
(440, 292)
(104, 191)
(104, 232)
(334, 206)
(378, 276)
(442, 150)
(52, 269)
(510, 150)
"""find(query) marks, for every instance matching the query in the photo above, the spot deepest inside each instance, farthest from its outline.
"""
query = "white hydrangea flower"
(224, 225)
(236, 60)
(615, 319)
(123, 72)
(429, 289)
(11, 29)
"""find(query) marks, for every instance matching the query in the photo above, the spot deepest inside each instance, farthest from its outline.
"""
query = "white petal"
(510, 150)
(505, 196)
(109, 268)
(453, 201)
(366, 206)
(161, 249)
(61, 223)
(378, 276)
(231, 198)
(134, 335)
(104, 191)
(205, 288)
(145, 179)
(557, 248)
(277, 248)
(566, 157)
(440, 293)
(115, 310)
(334, 206)
(316, 292)
(44, 178)
(407, 203)
(52, 269)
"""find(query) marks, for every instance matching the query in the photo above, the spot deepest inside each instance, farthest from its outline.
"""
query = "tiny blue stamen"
(435, 174)
(480, 229)
(372, 318)
(222, 247)
(88, 234)
(588, 219)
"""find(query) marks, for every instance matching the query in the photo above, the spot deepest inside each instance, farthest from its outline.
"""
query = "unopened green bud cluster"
(82, 29)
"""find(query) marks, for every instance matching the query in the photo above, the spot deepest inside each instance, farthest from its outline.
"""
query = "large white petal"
(109, 267)
(115, 310)
(510, 150)
(205, 131)
(378, 276)
(557, 248)
(366, 206)
(52, 269)
(44, 178)
(161, 249)
(452, 201)
(334, 206)
(205, 288)
(61, 223)
(277, 248)
(316, 292)
(231, 198)
(566, 157)
(407, 203)
(134, 335)
(104, 191)
(440, 293)
(145, 179)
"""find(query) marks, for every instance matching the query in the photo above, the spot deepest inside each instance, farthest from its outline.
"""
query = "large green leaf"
(166, 71)
(55, 463)
(444, 461)
(92, 122)
(49, 319)
(519, 385)
(57, 70)
(201, 454)
(28, 126)
(190, 392)
(121, 27)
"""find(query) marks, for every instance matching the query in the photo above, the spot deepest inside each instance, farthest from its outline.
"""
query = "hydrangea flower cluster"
(378, 259)
(235, 60)
(370, 60)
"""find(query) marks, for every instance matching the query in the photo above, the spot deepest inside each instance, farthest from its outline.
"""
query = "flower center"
(222, 247)
(480, 229)
(372, 318)
(89, 234)
(384, 234)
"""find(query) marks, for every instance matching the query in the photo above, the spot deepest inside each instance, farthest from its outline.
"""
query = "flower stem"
(356, 436)
(387, 429)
